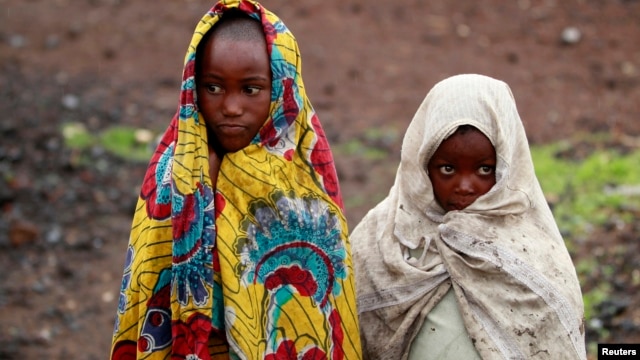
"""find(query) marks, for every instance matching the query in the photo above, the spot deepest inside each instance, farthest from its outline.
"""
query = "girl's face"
(233, 84)
(462, 169)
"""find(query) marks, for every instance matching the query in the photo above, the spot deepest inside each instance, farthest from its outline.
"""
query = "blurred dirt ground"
(573, 66)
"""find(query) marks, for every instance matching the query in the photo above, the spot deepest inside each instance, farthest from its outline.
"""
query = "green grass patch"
(128, 143)
(358, 148)
(374, 144)
(590, 183)
(76, 136)
(589, 191)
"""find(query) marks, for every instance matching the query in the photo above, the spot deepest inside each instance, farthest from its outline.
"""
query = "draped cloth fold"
(258, 267)
(503, 256)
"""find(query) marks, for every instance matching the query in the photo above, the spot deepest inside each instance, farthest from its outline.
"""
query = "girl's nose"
(465, 186)
(231, 105)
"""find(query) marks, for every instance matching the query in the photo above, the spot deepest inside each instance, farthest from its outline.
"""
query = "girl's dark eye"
(486, 170)
(446, 169)
(214, 89)
(252, 90)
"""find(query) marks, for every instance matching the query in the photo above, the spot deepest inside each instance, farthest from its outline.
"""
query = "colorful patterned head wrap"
(260, 266)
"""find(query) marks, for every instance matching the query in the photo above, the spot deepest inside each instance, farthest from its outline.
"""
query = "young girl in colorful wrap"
(463, 259)
(239, 247)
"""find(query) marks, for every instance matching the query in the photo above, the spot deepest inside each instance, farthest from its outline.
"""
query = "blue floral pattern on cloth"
(124, 285)
(293, 242)
(195, 237)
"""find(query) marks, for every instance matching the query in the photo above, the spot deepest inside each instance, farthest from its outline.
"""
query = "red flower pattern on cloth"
(190, 339)
(124, 350)
(287, 351)
(337, 335)
(322, 161)
(301, 279)
(156, 187)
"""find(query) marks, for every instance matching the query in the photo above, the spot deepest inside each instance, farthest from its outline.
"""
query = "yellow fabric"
(258, 268)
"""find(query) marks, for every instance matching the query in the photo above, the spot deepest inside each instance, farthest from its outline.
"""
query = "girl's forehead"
(467, 142)
(433, 140)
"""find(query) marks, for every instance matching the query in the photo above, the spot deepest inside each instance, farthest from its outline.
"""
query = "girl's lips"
(231, 129)
(457, 206)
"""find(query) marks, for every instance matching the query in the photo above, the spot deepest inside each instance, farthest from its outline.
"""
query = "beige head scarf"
(514, 281)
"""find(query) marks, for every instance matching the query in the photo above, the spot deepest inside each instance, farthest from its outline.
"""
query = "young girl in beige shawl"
(463, 259)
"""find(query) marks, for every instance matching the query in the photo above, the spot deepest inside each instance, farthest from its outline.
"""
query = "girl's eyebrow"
(209, 76)
(490, 158)
(256, 78)
(248, 78)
